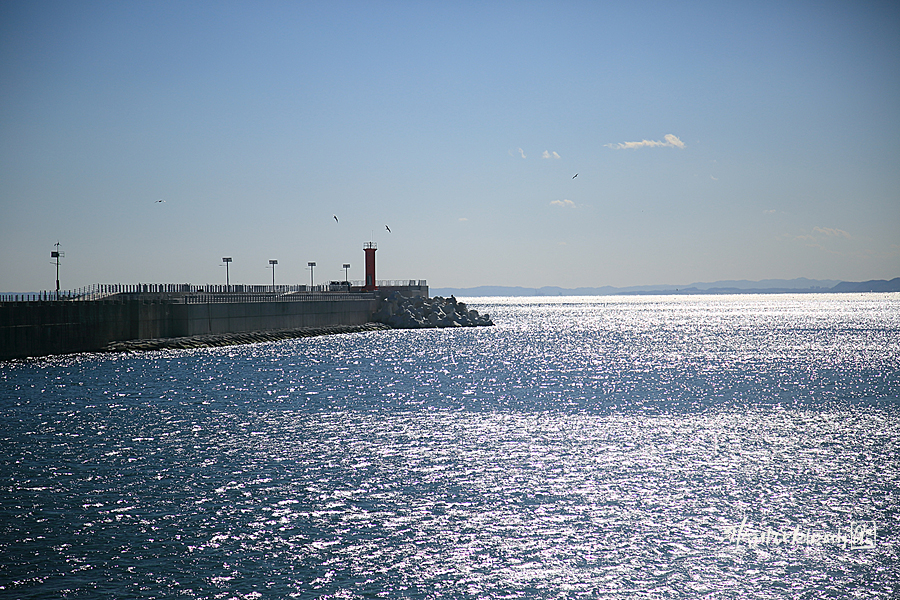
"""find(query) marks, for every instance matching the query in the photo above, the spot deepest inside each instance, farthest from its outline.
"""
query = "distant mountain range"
(766, 286)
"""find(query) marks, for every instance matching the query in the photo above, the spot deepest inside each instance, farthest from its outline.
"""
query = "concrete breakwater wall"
(202, 319)
(60, 327)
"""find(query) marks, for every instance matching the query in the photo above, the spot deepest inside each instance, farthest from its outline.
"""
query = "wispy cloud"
(563, 203)
(522, 152)
(548, 154)
(464, 218)
(671, 142)
(825, 239)
(832, 232)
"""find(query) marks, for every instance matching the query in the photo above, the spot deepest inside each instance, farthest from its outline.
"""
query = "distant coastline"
(768, 286)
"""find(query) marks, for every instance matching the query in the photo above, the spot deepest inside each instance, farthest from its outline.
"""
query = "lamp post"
(57, 255)
(312, 266)
(227, 261)
(273, 263)
(346, 277)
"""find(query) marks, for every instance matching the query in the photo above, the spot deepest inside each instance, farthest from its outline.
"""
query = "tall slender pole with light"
(273, 263)
(312, 266)
(57, 255)
(227, 261)
(346, 268)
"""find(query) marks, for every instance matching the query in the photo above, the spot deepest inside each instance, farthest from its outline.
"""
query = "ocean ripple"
(581, 448)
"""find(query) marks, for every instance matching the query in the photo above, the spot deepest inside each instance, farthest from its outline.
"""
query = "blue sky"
(711, 140)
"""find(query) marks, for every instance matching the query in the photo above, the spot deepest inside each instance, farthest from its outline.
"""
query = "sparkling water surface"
(592, 447)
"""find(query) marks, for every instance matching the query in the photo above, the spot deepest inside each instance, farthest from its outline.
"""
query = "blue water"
(603, 447)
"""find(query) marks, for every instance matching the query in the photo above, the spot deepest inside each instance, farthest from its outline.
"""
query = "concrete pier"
(41, 328)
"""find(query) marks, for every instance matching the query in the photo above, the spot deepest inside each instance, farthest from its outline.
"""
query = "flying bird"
(160, 200)
(575, 175)
(335, 219)
(388, 228)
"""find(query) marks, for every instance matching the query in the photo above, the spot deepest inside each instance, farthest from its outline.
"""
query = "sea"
(734, 446)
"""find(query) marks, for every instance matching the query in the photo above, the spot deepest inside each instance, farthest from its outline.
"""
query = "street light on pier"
(312, 266)
(227, 261)
(273, 263)
(346, 268)
(57, 254)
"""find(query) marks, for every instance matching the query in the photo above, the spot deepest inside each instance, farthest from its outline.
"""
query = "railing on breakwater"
(191, 294)
(202, 298)
(396, 283)
(100, 291)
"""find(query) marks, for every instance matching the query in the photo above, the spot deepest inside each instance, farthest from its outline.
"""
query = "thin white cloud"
(548, 154)
(522, 152)
(563, 203)
(463, 218)
(671, 142)
(822, 238)
(832, 232)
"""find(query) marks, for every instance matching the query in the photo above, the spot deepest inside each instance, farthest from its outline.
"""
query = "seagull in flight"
(575, 175)
(335, 219)
(160, 200)
(388, 228)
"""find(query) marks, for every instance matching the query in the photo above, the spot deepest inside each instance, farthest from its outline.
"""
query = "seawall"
(42, 328)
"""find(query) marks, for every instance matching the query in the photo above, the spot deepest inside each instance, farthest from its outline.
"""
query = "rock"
(413, 313)
(228, 339)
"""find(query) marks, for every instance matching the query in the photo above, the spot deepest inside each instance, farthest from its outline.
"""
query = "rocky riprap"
(401, 312)
(231, 339)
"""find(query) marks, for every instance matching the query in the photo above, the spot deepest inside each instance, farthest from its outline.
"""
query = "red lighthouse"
(370, 248)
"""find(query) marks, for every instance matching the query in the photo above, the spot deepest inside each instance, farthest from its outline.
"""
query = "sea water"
(593, 447)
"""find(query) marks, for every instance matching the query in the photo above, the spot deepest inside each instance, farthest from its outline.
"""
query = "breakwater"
(41, 328)
(233, 339)
(159, 318)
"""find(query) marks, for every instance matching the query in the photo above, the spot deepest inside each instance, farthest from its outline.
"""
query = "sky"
(711, 140)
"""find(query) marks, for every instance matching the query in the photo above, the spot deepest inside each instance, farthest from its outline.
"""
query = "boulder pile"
(401, 312)
(233, 339)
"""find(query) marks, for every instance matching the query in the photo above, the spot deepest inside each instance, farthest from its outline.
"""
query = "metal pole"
(56, 254)
(227, 261)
